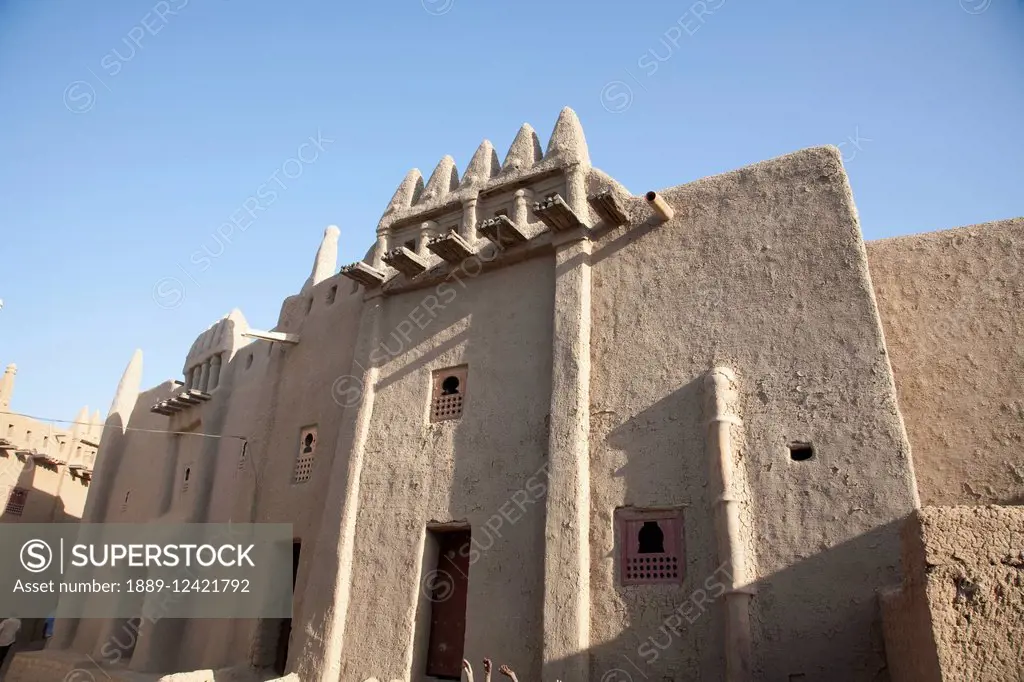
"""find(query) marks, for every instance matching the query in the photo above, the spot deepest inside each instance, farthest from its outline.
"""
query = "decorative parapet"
(557, 215)
(367, 275)
(213, 350)
(492, 201)
(607, 206)
(405, 261)
(502, 231)
(450, 247)
(524, 163)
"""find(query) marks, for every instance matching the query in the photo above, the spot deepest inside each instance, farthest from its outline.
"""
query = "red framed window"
(16, 502)
(651, 547)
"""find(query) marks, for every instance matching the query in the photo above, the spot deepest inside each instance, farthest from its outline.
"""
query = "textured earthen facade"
(44, 470)
(959, 614)
(951, 307)
(470, 426)
(44, 473)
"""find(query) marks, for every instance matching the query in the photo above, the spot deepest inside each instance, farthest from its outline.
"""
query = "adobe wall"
(266, 393)
(951, 305)
(964, 579)
(54, 495)
(470, 470)
(762, 270)
(295, 390)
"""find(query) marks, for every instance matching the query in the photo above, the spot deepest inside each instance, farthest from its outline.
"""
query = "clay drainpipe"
(721, 397)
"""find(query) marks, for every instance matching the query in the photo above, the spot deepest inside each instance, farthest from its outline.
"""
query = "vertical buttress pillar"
(567, 522)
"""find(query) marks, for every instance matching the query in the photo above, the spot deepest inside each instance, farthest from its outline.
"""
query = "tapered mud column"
(330, 577)
(380, 249)
(214, 373)
(721, 409)
(7, 386)
(326, 259)
(108, 461)
(428, 229)
(159, 641)
(520, 207)
(576, 191)
(467, 228)
(567, 523)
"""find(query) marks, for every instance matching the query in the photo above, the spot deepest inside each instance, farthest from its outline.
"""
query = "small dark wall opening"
(450, 386)
(285, 633)
(447, 588)
(651, 539)
(801, 452)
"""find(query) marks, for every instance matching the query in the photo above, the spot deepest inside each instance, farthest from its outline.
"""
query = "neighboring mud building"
(44, 470)
(600, 436)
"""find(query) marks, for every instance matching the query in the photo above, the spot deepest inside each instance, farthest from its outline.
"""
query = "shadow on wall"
(23, 502)
(651, 653)
(818, 617)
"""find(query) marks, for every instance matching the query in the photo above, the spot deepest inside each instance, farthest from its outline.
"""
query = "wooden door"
(450, 589)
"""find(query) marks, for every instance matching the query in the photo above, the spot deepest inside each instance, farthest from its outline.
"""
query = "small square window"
(304, 457)
(448, 393)
(651, 543)
(16, 501)
(801, 452)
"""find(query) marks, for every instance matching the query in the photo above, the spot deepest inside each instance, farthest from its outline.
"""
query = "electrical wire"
(129, 428)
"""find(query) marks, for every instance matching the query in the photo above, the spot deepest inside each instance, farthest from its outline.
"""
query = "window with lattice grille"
(304, 457)
(448, 393)
(651, 545)
(16, 501)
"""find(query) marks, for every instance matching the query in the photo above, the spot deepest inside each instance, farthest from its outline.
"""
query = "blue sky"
(133, 129)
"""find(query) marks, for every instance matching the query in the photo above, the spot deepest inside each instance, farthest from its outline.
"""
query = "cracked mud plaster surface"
(975, 587)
